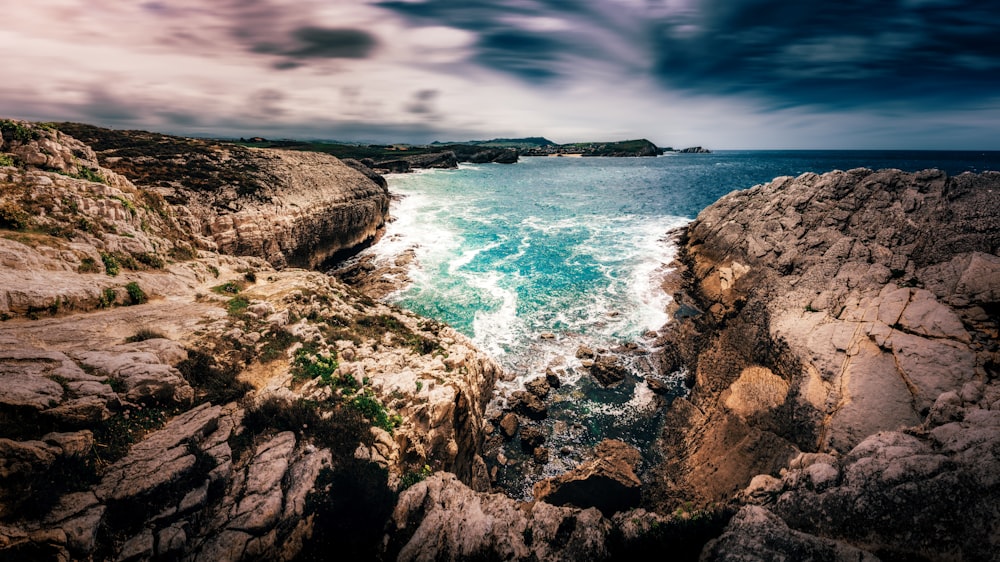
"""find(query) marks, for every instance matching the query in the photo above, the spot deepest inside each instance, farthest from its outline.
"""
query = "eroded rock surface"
(837, 307)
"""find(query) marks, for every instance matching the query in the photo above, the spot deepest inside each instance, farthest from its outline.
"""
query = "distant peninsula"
(402, 158)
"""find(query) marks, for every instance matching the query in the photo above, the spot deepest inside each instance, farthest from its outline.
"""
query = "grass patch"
(150, 260)
(7, 160)
(236, 306)
(229, 287)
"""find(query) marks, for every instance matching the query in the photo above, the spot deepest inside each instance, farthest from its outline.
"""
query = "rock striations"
(846, 349)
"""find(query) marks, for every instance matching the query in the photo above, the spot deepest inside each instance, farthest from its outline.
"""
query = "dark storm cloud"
(319, 42)
(850, 53)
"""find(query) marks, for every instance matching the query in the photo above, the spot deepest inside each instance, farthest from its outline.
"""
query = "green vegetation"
(88, 265)
(375, 412)
(7, 160)
(108, 298)
(13, 216)
(111, 265)
(375, 327)
(411, 478)
(150, 260)
(135, 293)
(84, 173)
(17, 131)
(229, 287)
(236, 306)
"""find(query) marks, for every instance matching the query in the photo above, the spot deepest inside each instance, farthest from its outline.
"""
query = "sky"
(724, 74)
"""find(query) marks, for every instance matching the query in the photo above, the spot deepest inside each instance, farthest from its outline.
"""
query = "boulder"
(608, 482)
(538, 386)
(608, 369)
(508, 425)
(528, 405)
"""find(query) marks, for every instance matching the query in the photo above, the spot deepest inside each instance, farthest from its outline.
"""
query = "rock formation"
(160, 401)
(846, 347)
(291, 208)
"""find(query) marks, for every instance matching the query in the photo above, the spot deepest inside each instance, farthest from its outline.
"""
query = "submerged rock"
(608, 369)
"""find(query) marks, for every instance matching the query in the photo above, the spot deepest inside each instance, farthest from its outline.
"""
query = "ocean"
(535, 259)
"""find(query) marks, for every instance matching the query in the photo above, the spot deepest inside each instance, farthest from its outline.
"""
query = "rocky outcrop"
(158, 401)
(426, 525)
(291, 208)
(608, 482)
(828, 309)
(694, 150)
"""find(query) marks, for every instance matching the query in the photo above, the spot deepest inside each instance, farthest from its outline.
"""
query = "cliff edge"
(841, 335)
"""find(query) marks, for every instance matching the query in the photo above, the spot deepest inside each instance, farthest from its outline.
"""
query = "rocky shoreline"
(174, 389)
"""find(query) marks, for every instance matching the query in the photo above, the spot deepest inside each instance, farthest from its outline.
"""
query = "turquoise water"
(574, 248)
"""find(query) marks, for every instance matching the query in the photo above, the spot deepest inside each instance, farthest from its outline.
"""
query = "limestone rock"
(528, 404)
(492, 526)
(538, 386)
(607, 482)
(757, 534)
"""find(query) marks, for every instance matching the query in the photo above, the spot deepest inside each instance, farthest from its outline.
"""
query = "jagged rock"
(584, 352)
(694, 150)
(532, 437)
(552, 378)
(608, 482)
(492, 526)
(538, 386)
(832, 316)
(528, 404)
(757, 534)
(509, 425)
(608, 369)
(162, 458)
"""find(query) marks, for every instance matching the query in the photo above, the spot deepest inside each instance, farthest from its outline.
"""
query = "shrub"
(144, 334)
(88, 265)
(275, 344)
(18, 132)
(111, 265)
(375, 412)
(84, 173)
(135, 293)
(152, 260)
(13, 216)
(7, 160)
(411, 478)
(108, 298)
(336, 427)
(311, 365)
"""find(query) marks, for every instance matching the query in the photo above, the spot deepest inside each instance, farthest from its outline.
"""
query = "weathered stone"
(493, 526)
(538, 386)
(532, 436)
(608, 482)
(757, 534)
(528, 404)
(509, 425)
(608, 369)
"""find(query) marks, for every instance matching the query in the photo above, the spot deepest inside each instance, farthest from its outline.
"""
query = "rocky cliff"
(159, 400)
(841, 335)
(291, 208)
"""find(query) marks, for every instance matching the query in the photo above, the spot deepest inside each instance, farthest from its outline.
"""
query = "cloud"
(319, 42)
(852, 53)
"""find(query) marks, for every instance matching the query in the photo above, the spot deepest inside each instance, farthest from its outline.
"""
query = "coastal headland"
(178, 381)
